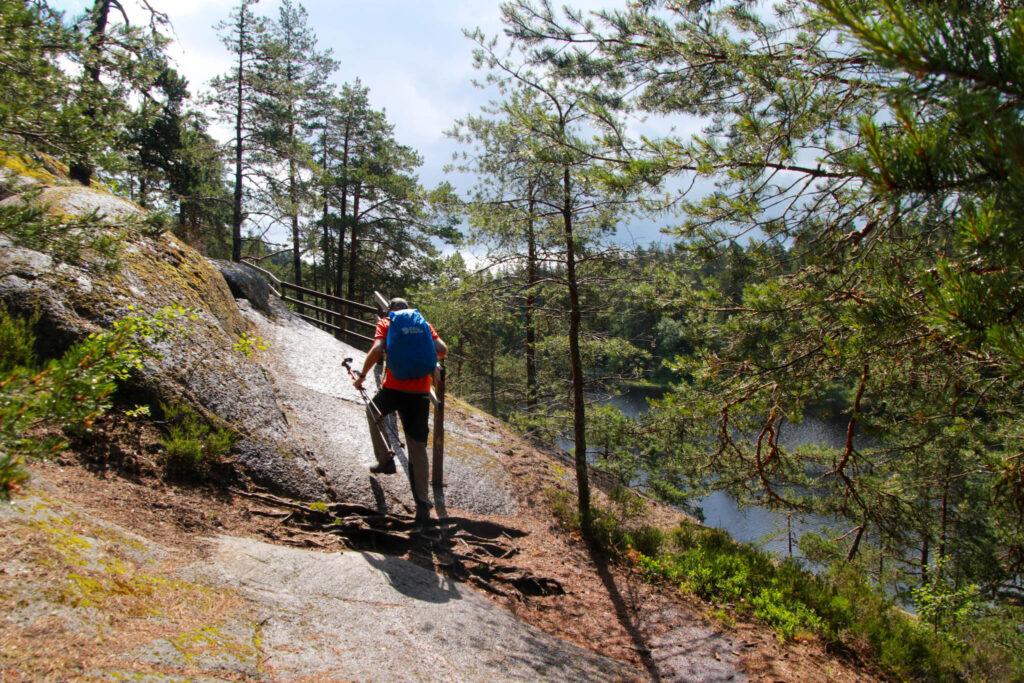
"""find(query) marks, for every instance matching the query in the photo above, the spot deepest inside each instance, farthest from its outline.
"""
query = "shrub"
(647, 539)
(17, 340)
(192, 447)
(564, 508)
(842, 608)
(942, 604)
(247, 345)
(628, 503)
(70, 392)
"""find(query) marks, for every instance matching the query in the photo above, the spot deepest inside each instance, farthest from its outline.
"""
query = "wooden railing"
(333, 320)
(437, 392)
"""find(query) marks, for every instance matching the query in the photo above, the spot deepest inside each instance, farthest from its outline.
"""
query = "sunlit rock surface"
(252, 609)
(198, 365)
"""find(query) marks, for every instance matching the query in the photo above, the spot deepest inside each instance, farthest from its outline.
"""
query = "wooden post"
(437, 467)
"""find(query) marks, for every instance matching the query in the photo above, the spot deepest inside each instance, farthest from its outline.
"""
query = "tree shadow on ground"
(626, 609)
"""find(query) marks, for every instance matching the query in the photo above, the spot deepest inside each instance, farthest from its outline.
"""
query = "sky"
(411, 54)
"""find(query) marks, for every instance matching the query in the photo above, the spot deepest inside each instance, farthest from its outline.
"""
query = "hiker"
(410, 396)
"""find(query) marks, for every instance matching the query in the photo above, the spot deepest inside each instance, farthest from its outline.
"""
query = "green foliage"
(69, 86)
(66, 239)
(138, 411)
(563, 508)
(612, 436)
(857, 245)
(98, 94)
(247, 345)
(1003, 657)
(174, 169)
(17, 341)
(192, 446)
(70, 392)
(647, 540)
(941, 603)
(615, 531)
(840, 608)
(34, 87)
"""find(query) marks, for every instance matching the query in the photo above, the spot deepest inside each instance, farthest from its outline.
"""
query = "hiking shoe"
(384, 468)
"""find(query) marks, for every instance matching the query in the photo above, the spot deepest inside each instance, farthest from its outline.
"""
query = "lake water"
(755, 524)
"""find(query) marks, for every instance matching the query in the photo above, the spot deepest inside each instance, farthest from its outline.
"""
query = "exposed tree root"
(470, 550)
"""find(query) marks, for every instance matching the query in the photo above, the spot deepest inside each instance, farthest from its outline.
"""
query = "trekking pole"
(371, 410)
(382, 303)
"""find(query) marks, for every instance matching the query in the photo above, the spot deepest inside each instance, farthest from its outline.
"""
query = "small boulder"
(246, 283)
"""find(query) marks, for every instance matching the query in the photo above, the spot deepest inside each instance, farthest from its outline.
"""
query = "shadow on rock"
(418, 585)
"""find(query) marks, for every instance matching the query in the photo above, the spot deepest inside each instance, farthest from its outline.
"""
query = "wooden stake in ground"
(437, 467)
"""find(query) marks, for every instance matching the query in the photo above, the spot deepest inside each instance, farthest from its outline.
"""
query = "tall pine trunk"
(531, 302)
(293, 200)
(576, 363)
(339, 279)
(353, 249)
(236, 202)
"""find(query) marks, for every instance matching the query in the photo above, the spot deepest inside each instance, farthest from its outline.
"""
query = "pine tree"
(197, 192)
(565, 139)
(77, 118)
(118, 60)
(235, 98)
(506, 208)
(32, 41)
(876, 172)
(295, 76)
(348, 129)
(381, 208)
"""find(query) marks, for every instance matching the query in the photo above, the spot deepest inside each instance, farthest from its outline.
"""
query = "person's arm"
(372, 356)
(442, 348)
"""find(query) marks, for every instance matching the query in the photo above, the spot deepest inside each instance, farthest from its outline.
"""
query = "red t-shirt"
(421, 384)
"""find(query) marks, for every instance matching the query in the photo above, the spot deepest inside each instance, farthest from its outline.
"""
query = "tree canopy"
(869, 153)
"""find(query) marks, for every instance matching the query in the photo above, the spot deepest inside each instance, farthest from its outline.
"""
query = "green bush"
(17, 341)
(841, 608)
(192, 447)
(647, 539)
(70, 392)
(564, 508)
(608, 531)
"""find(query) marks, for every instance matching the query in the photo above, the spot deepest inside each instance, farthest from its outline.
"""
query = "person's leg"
(415, 411)
(384, 402)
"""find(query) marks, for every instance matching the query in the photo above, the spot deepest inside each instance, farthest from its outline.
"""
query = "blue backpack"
(410, 345)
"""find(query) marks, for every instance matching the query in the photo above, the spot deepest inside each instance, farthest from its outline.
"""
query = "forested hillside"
(843, 183)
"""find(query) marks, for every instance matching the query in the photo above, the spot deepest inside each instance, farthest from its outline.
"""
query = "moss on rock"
(152, 271)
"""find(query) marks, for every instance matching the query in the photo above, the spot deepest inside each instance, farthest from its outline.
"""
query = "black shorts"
(414, 407)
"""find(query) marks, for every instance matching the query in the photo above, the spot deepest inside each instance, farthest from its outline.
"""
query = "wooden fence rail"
(335, 318)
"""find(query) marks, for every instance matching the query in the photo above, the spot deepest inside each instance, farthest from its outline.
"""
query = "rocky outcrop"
(301, 424)
(141, 271)
(91, 600)
(246, 283)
